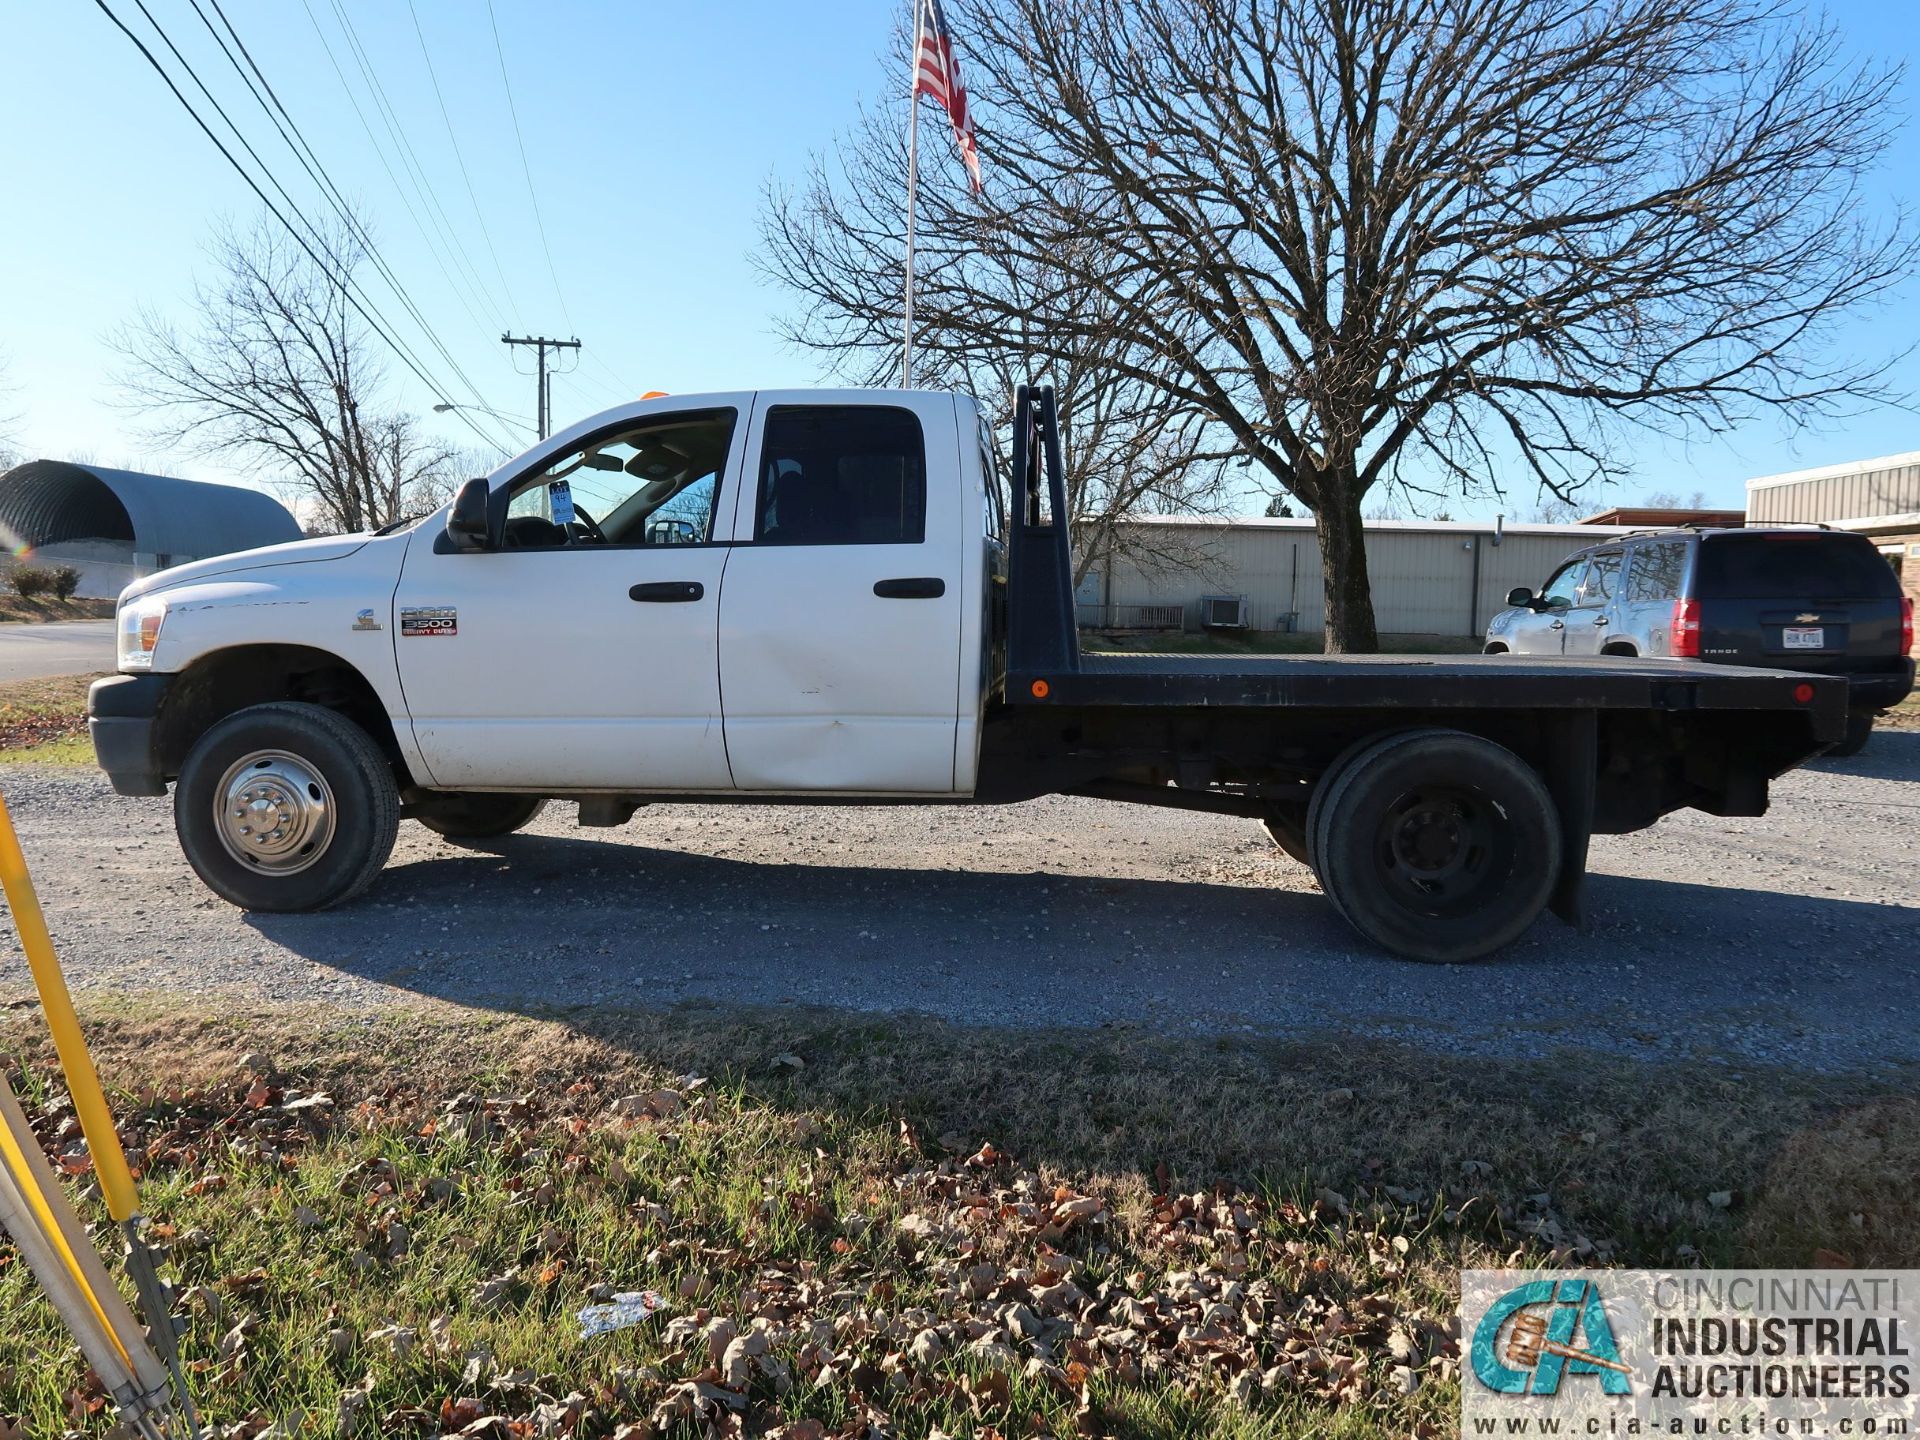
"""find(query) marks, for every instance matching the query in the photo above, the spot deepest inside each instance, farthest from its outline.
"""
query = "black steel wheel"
(1437, 845)
(286, 807)
(476, 815)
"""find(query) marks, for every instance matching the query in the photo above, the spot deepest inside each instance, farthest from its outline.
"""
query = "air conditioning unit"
(1223, 612)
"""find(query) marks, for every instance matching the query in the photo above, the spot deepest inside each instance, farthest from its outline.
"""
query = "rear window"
(1793, 567)
(842, 475)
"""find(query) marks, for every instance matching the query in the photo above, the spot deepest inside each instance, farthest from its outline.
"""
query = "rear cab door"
(843, 608)
(1817, 600)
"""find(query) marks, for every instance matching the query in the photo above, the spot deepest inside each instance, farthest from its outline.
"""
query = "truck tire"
(286, 807)
(1436, 845)
(477, 816)
(1859, 731)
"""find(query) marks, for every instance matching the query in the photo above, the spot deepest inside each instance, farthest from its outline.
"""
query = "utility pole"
(542, 344)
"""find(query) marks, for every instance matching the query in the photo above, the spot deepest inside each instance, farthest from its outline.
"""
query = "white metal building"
(1429, 577)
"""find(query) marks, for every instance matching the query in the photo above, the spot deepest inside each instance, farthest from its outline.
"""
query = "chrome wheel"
(274, 812)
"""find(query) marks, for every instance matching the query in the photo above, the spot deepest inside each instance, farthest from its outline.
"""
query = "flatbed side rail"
(1042, 637)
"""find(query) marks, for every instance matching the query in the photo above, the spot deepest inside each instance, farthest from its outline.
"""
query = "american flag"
(937, 73)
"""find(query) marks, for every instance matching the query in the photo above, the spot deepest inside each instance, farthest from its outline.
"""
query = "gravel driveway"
(1793, 939)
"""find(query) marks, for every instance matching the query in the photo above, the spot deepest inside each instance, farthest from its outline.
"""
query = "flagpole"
(913, 180)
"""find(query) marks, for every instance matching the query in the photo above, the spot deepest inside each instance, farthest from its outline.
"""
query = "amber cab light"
(1684, 637)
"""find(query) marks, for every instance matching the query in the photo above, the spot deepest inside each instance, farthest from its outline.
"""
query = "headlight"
(140, 622)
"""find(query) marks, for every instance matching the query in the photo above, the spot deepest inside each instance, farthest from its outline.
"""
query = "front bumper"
(122, 713)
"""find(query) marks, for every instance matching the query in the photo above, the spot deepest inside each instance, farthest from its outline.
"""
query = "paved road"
(65, 647)
(1789, 939)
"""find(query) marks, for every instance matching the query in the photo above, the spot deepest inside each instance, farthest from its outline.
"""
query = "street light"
(445, 405)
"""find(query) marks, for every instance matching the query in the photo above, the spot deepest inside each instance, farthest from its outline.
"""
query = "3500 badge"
(437, 621)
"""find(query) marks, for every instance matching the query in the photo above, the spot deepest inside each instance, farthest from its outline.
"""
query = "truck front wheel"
(1437, 845)
(476, 816)
(286, 807)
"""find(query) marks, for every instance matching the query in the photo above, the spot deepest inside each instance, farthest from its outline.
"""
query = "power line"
(525, 168)
(330, 192)
(440, 259)
(399, 349)
(454, 140)
(410, 159)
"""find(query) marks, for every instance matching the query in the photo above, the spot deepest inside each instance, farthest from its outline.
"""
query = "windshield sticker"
(430, 620)
(560, 494)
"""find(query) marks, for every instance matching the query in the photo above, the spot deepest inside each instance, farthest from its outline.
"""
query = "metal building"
(115, 526)
(1434, 577)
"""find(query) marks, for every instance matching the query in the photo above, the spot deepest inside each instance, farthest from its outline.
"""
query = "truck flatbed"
(1510, 682)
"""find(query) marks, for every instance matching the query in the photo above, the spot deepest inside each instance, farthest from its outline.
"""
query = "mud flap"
(1573, 757)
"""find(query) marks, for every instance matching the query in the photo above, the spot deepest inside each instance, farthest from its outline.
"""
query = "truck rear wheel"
(476, 816)
(286, 807)
(1436, 845)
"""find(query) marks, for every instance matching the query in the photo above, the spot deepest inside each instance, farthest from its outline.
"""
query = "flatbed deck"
(1425, 682)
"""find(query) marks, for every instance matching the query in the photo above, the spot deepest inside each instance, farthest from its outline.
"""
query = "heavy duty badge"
(436, 620)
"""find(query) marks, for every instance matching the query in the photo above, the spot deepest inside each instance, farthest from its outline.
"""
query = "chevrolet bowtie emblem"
(1805, 619)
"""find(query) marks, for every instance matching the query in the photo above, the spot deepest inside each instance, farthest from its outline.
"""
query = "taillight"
(1906, 627)
(1684, 635)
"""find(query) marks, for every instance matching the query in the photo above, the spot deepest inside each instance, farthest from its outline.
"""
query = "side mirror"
(1520, 597)
(467, 527)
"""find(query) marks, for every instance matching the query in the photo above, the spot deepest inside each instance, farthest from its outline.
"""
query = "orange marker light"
(1041, 689)
(654, 395)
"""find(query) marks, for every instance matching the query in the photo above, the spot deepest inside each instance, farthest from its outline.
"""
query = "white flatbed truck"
(786, 597)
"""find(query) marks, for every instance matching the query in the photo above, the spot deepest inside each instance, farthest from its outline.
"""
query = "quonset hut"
(115, 526)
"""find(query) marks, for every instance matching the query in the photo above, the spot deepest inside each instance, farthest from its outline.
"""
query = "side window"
(842, 475)
(653, 482)
(1656, 571)
(1602, 573)
(1565, 582)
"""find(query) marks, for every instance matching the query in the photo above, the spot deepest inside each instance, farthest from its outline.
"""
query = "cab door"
(1591, 619)
(840, 620)
(1543, 631)
(579, 652)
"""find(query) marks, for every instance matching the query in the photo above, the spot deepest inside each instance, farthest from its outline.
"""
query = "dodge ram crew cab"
(844, 596)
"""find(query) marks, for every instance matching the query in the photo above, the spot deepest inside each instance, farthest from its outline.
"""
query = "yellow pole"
(83, 1083)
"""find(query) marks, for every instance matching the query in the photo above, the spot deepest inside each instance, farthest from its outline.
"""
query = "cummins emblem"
(365, 621)
(436, 620)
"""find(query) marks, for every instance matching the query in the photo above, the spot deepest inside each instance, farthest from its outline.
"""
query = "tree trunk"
(1343, 562)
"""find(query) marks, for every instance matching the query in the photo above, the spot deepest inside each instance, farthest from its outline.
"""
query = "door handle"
(1599, 619)
(926, 587)
(667, 592)
(1558, 625)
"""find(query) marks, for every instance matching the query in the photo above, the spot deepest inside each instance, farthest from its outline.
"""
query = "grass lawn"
(385, 1224)
(45, 721)
(38, 611)
(1266, 642)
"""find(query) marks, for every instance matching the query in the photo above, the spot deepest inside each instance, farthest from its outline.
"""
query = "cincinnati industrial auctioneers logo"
(1535, 1336)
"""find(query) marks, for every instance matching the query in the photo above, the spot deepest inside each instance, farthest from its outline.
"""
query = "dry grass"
(45, 720)
(39, 611)
(842, 1164)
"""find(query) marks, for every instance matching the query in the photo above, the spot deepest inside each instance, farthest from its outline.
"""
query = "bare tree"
(1133, 447)
(277, 378)
(1672, 500)
(1405, 240)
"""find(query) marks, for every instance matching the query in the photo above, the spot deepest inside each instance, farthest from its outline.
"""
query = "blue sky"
(652, 129)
